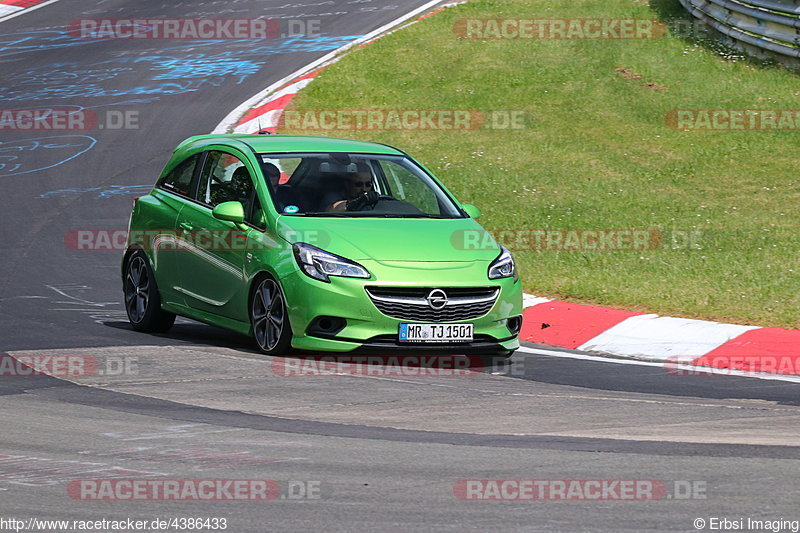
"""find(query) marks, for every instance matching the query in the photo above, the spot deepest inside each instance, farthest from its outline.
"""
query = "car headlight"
(320, 264)
(503, 266)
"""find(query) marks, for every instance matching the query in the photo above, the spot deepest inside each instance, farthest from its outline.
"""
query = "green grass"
(596, 153)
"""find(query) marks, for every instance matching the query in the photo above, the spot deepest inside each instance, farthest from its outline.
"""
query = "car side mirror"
(230, 211)
(472, 211)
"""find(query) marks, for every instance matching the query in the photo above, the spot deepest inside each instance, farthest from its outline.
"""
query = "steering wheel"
(362, 202)
(381, 197)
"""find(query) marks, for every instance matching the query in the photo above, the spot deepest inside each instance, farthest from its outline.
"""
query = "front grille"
(411, 303)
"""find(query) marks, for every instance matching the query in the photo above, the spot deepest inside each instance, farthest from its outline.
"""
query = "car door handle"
(186, 225)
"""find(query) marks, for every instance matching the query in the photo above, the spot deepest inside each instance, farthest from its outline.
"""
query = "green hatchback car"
(318, 244)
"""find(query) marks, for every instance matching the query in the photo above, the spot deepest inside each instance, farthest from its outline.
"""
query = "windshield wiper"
(407, 215)
(327, 214)
(367, 214)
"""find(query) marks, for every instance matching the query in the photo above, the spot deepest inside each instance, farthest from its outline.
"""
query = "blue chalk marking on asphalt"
(15, 155)
(258, 48)
(66, 193)
(172, 72)
(322, 43)
(127, 102)
(117, 190)
(48, 111)
(36, 41)
(197, 67)
(102, 192)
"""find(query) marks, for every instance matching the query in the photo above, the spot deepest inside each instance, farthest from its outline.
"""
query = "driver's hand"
(359, 203)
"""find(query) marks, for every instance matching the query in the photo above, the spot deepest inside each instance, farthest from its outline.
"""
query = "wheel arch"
(127, 256)
(257, 278)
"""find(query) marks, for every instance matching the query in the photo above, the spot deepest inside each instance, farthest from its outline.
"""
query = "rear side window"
(179, 180)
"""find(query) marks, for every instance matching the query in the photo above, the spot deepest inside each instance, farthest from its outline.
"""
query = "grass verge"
(596, 153)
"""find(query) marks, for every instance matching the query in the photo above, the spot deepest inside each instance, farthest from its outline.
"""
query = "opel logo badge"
(437, 299)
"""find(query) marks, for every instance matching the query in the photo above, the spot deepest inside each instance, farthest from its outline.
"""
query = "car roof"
(291, 143)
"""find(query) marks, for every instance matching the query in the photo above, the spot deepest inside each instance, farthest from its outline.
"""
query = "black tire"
(269, 318)
(142, 299)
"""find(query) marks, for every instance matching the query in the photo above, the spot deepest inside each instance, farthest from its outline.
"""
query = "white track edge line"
(231, 121)
(232, 118)
(678, 366)
(28, 10)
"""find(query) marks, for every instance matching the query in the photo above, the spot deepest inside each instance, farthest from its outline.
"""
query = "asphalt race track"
(378, 452)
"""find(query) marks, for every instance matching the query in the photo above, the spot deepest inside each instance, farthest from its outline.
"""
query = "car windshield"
(354, 185)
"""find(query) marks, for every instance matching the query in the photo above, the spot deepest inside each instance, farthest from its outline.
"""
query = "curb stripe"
(21, 4)
(529, 300)
(10, 9)
(673, 367)
(258, 107)
(289, 90)
(589, 328)
(7, 10)
(268, 117)
(664, 337)
(233, 117)
(568, 325)
(763, 349)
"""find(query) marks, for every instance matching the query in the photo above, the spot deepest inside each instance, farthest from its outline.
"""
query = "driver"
(358, 194)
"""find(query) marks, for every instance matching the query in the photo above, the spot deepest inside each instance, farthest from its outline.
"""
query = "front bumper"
(369, 330)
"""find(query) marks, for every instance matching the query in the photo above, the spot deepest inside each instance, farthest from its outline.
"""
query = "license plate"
(436, 332)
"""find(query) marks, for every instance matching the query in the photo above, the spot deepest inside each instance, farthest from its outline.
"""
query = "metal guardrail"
(767, 27)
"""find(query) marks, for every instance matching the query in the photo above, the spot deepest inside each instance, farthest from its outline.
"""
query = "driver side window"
(224, 179)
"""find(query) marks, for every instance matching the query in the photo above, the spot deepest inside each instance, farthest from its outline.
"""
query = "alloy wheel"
(268, 314)
(137, 289)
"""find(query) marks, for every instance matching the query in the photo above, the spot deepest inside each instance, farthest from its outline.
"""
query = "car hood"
(393, 239)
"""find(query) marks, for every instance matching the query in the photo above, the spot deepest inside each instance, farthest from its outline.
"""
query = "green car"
(318, 244)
